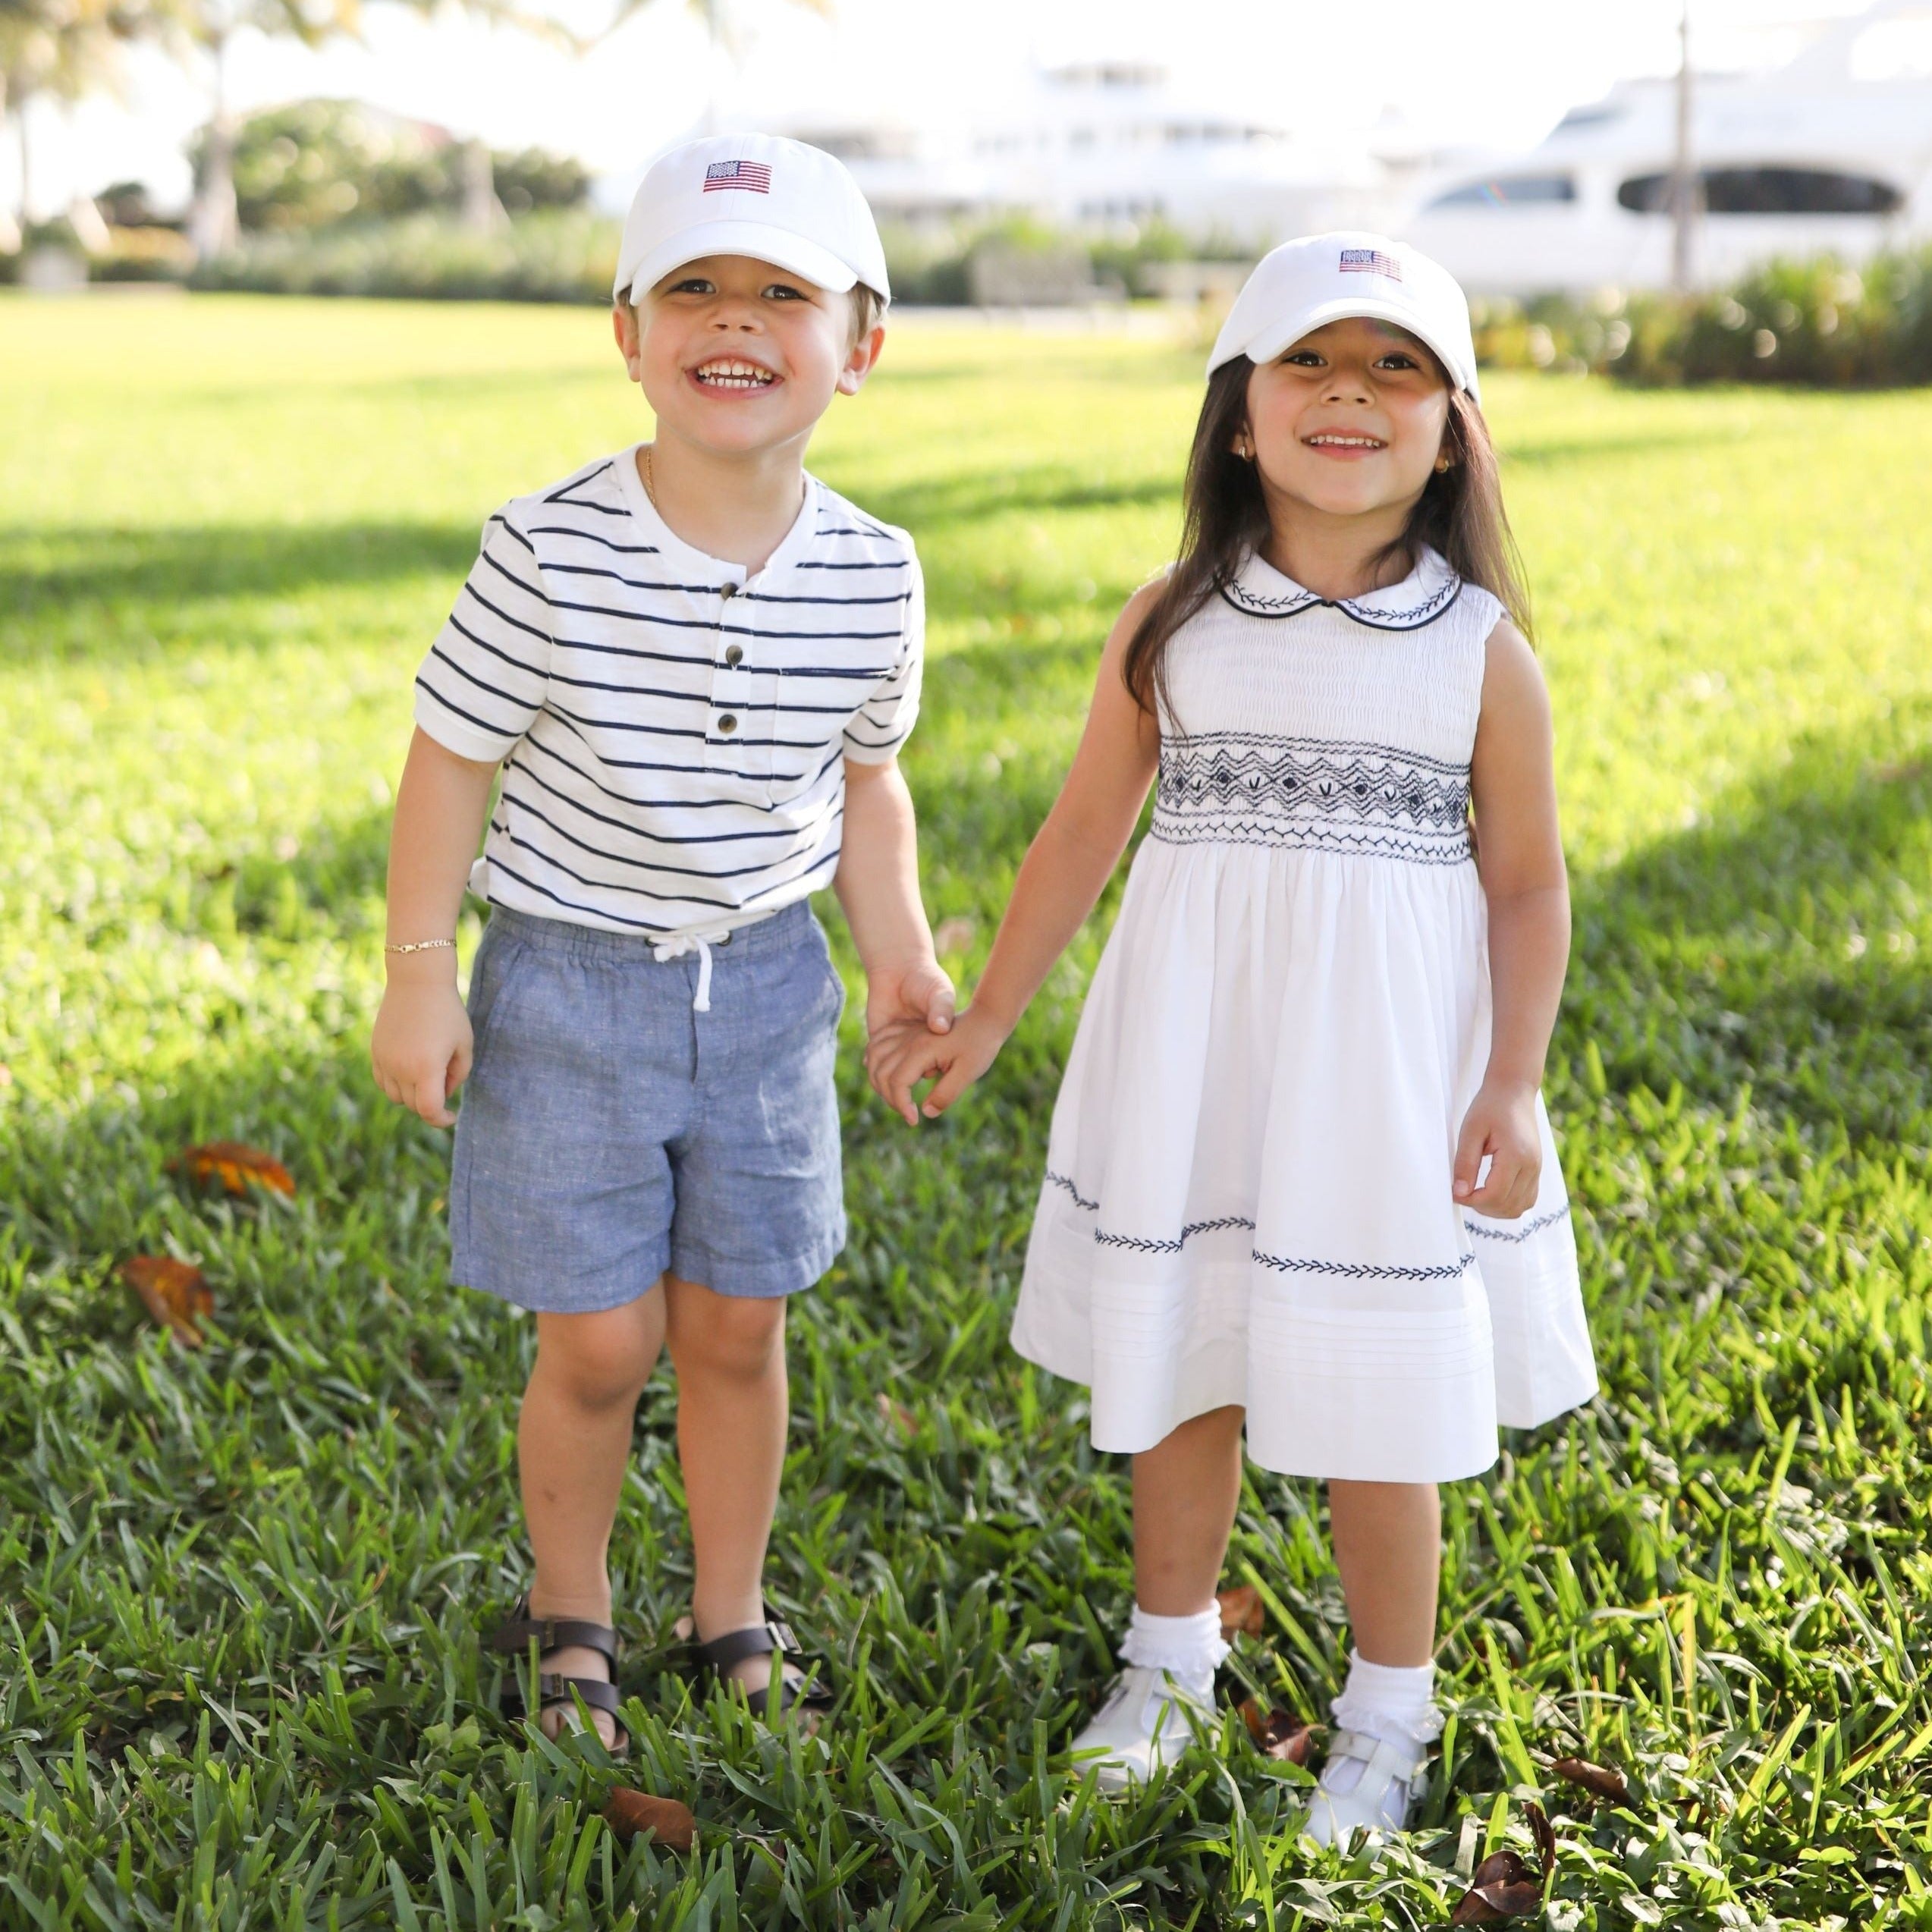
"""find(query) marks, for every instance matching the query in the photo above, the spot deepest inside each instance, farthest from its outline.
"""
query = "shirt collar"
(797, 543)
(1423, 595)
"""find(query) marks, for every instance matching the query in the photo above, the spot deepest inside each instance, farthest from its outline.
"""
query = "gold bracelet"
(421, 946)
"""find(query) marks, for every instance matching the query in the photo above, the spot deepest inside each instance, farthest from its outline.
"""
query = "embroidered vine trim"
(1256, 605)
(1283, 1264)
(1366, 1270)
(1413, 849)
(1522, 1233)
(1139, 1245)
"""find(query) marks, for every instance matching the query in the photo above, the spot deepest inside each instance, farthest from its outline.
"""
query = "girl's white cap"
(759, 195)
(1303, 285)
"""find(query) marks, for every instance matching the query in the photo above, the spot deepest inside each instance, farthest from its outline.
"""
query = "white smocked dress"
(1247, 1189)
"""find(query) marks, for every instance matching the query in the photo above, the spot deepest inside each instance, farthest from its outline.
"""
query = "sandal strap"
(1378, 1757)
(554, 1692)
(551, 1633)
(758, 1640)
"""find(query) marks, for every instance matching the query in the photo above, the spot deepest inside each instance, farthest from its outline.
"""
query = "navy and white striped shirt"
(675, 731)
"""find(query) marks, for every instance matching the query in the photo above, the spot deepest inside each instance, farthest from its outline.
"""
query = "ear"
(862, 360)
(1243, 445)
(625, 326)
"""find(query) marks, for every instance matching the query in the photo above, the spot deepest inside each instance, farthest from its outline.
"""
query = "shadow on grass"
(70, 571)
(929, 504)
(1772, 945)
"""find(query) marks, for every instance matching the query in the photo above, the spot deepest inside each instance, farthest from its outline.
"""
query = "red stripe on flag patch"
(753, 176)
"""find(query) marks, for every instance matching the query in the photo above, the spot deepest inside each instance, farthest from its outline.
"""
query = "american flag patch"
(753, 176)
(1369, 261)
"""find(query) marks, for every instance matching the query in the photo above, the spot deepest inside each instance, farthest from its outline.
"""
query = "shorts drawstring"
(665, 950)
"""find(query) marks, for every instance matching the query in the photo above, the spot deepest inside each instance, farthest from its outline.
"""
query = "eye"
(693, 285)
(1397, 359)
(783, 291)
(1303, 358)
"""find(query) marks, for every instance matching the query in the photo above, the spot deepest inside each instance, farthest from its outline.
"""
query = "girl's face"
(741, 357)
(1348, 421)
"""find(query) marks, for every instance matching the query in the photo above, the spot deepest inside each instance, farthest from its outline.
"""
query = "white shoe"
(1141, 1727)
(1368, 1783)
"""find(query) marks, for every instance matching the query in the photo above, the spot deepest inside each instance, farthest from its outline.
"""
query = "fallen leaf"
(630, 1813)
(1242, 1613)
(1598, 1780)
(1277, 1734)
(1546, 1840)
(954, 935)
(1501, 1887)
(901, 1418)
(175, 1293)
(236, 1166)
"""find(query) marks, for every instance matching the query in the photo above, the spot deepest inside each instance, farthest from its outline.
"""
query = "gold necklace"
(650, 484)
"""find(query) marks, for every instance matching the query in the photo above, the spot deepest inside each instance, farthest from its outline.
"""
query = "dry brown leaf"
(1276, 1733)
(630, 1813)
(236, 1166)
(1598, 1780)
(901, 1418)
(1502, 1886)
(1546, 1841)
(954, 935)
(1242, 1613)
(175, 1293)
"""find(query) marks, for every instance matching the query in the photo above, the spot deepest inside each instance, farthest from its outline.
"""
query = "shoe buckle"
(780, 1633)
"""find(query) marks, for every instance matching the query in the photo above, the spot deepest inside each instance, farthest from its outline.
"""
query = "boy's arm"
(1512, 777)
(877, 884)
(420, 1049)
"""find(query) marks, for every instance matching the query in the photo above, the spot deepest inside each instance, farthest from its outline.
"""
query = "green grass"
(241, 1588)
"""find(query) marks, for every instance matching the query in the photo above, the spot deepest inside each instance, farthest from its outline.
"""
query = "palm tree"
(57, 49)
(203, 30)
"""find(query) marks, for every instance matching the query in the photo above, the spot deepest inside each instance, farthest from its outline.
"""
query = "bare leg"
(1186, 1490)
(574, 1445)
(733, 1410)
(1388, 1547)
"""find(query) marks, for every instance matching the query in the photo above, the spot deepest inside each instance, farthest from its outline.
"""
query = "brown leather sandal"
(805, 1695)
(514, 1637)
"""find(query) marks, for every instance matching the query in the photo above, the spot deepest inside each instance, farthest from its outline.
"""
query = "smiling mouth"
(728, 372)
(1332, 440)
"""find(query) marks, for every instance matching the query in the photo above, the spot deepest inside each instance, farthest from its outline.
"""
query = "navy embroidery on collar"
(1244, 597)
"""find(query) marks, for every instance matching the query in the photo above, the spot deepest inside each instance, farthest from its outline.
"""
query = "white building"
(1831, 153)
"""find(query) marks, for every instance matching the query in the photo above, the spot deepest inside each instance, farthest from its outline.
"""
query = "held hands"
(902, 1056)
(422, 1047)
(1501, 1123)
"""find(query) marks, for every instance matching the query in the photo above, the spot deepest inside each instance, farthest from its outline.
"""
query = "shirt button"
(727, 723)
(730, 590)
(734, 654)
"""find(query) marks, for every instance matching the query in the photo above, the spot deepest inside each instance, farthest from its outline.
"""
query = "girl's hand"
(422, 1047)
(1501, 1122)
(902, 1056)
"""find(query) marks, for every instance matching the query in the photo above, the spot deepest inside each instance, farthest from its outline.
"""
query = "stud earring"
(1444, 464)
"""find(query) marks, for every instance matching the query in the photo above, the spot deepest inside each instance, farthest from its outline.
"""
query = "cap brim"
(779, 246)
(1269, 343)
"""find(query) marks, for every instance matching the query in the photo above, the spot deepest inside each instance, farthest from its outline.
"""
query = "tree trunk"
(482, 213)
(212, 226)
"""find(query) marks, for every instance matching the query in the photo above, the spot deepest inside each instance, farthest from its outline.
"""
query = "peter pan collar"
(1422, 596)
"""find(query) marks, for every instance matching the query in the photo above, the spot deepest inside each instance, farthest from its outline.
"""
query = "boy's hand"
(421, 1050)
(906, 1054)
(1501, 1122)
(920, 992)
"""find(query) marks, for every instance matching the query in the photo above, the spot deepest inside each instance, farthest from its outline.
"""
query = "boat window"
(1509, 191)
(1769, 191)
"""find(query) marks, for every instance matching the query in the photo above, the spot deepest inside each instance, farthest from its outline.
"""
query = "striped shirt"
(675, 729)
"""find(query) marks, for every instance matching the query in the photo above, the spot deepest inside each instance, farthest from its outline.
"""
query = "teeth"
(1348, 442)
(734, 374)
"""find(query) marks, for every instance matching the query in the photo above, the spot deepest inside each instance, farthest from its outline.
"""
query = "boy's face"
(741, 357)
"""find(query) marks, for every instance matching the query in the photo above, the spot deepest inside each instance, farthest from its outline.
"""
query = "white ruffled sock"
(1389, 1702)
(1189, 1648)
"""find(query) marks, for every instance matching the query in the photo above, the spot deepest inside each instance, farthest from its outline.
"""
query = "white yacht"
(1831, 153)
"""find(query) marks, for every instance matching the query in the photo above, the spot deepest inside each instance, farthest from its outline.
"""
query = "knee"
(726, 1337)
(594, 1362)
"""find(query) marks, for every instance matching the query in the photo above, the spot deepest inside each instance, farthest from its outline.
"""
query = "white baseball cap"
(775, 200)
(1303, 285)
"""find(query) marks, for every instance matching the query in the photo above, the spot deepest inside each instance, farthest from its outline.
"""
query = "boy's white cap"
(775, 200)
(1303, 285)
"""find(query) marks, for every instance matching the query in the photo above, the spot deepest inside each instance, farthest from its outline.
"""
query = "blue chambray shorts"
(608, 1131)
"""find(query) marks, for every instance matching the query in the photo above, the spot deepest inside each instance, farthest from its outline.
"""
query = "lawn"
(242, 1585)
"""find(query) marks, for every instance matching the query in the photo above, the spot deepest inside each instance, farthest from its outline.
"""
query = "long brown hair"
(1225, 518)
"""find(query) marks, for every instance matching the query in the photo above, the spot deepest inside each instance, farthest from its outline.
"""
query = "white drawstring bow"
(665, 950)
